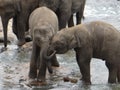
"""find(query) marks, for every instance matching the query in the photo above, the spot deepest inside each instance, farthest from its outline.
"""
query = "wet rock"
(72, 80)
(66, 79)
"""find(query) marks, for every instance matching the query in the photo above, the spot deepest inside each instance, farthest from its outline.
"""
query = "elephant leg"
(5, 24)
(63, 19)
(42, 71)
(20, 30)
(78, 17)
(79, 14)
(54, 61)
(112, 72)
(71, 22)
(28, 37)
(83, 60)
(33, 62)
(14, 26)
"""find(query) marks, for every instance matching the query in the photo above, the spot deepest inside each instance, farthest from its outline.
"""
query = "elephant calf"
(91, 40)
(43, 24)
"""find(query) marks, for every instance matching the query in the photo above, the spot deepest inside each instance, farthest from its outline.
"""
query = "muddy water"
(14, 63)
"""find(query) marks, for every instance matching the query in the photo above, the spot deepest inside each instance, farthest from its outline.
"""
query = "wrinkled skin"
(19, 11)
(43, 24)
(8, 9)
(65, 10)
(91, 40)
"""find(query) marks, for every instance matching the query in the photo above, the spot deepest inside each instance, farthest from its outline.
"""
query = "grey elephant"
(65, 10)
(91, 40)
(43, 24)
(19, 11)
(8, 9)
(20, 21)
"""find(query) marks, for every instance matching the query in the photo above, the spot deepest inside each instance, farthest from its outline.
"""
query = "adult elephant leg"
(33, 62)
(63, 19)
(71, 22)
(78, 18)
(112, 72)
(28, 37)
(79, 15)
(5, 24)
(20, 30)
(83, 60)
(14, 26)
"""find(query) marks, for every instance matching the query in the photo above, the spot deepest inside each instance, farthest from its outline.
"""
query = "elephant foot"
(34, 82)
(41, 79)
(21, 42)
(111, 81)
(28, 38)
(86, 82)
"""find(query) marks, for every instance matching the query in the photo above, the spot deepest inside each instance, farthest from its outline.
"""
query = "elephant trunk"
(48, 54)
(44, 57)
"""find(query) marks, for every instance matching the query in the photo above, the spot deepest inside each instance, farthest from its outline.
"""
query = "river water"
(14, 63)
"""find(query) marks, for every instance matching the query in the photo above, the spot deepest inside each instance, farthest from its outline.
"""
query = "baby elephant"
(43, 24)
(91, 40)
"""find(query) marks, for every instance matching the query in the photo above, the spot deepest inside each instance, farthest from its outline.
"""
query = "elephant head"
(63, 41)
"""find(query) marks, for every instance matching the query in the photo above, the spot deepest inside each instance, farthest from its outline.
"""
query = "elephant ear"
(74, 42)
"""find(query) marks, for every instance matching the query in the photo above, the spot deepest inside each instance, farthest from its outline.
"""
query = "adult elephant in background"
(91, 40)
(43, 24)
(20, 21)
(8, 10)
(78, 9)
(19, 10)
(65, 10)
